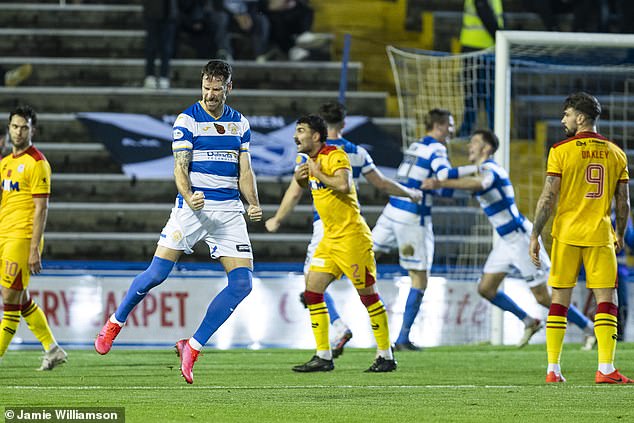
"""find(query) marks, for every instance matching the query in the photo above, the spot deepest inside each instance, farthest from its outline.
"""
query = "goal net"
(462, 84)
(518, 90)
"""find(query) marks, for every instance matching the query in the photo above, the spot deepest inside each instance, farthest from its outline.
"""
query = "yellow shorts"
(599, 263)
(14, 253)
(352, 257)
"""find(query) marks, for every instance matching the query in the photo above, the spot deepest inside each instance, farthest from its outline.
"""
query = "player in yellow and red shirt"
(345, 249)
(25, 189)
(584, 174)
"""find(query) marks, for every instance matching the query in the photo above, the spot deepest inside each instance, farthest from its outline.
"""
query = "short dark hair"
(584, 103)
(488, 137)
(440, 116)
(217, 69)
(333, 112)
(316, 123)
(26, 112)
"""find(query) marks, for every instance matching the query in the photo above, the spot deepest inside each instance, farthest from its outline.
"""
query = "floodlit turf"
(466, 383)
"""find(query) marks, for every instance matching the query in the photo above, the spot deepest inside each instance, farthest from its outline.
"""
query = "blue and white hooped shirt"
(422, 160)
(216, 145)
(497, 199)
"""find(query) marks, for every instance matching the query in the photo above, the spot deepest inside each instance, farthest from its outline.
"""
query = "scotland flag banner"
(142, 144)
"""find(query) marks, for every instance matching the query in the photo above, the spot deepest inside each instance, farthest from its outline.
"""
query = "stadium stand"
(88, 58)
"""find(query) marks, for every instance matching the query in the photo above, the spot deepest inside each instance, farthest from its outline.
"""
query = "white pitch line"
(215, 387)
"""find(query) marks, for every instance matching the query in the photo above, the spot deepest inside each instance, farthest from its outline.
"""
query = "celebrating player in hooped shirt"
(212, 167)
(494, 191)
(406, 225)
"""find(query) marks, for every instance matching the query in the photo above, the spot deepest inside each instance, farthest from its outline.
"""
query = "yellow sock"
(320, 319)
(36, 319)
(9, 326)
(378, 319)
(555, 332)
(605, 323)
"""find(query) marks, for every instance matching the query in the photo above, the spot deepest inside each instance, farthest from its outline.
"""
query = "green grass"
(465, 383)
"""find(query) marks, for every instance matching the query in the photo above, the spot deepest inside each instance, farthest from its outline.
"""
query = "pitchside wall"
(78, 302)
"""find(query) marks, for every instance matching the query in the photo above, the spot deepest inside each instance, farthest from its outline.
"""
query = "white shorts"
(415, 243)
(513, 252)
(225, 232)
(318, 234)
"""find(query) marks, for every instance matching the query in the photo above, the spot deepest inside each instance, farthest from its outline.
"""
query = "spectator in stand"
(243, 17)
(202, 21)
(291, 22)
(480, 20)
(160, 18)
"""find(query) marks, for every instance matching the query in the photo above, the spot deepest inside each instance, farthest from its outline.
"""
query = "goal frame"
(503, 41)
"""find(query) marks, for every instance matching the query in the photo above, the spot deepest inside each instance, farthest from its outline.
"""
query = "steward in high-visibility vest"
(480, 20)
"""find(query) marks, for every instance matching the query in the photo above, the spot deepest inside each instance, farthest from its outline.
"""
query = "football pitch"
(445, 384)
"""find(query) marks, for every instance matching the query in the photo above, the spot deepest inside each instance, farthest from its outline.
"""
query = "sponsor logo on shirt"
(216, 156)
(315, 184)
(9, 185)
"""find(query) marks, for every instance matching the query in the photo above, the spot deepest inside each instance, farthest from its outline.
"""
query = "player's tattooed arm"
(546, 204)
(182, 162)
(545, 207)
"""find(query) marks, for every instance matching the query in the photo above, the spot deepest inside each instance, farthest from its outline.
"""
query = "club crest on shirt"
(233, 128)
(177, 134)
(221, 129)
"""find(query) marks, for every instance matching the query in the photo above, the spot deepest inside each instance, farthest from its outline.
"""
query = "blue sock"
(154, 275)
(221, 307)
(412, 306)
(575, 316)
(507, 304)
(332, 310)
